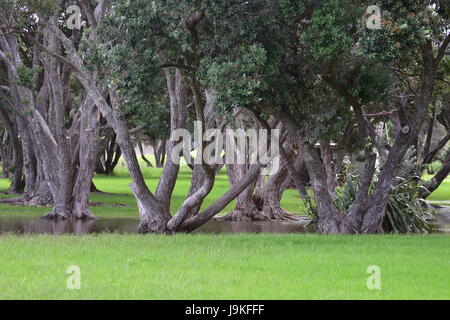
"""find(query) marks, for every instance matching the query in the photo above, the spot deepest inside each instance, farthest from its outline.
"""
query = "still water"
(40, 226)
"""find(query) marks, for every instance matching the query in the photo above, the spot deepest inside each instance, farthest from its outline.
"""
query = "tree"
(154, 208)
(318, 47)
(58, 135)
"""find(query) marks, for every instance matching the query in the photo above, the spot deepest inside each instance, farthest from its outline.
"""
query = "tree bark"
(141, 150)
(89, 133)
(327, 159)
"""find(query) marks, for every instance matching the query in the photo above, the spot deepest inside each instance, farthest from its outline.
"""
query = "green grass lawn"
(244, 266)
(201, 266)
(442, 193)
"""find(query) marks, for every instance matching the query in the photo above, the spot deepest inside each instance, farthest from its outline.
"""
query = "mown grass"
(442, 193)
(240, 266)
(202, 266)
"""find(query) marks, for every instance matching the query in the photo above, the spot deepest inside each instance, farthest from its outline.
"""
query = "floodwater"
(124, 225)
(80, 227)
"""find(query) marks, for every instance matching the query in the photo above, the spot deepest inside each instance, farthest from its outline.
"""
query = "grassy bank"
(225, 267)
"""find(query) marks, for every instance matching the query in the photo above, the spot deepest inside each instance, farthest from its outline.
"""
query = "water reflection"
(41, 226)
(253, 227)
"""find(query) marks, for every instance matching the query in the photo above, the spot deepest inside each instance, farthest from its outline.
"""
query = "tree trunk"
(271, 195)
(160, 153)
(89, 133)
(327, 159)
(294, 173)
(15, 169)
(141, 150)
(247, 207)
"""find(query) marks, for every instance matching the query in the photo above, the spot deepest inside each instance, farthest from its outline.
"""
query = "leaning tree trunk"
(4, 154)
(373, 218)
(271, 195)
(247, 207)
(154, 217)
(438, 178)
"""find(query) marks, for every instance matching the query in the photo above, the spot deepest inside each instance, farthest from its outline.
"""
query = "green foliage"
(26, 76)
(25, 12)
(330, 30)
(405, 27)
(238, 84)
(128, 49)
(371, 82)
(406, 212)
(346, 195)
